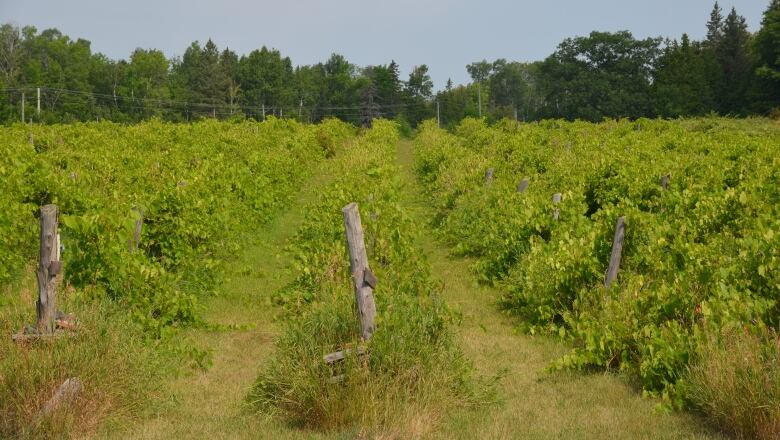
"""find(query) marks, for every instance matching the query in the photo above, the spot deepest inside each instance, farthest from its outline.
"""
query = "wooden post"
(136, 240)
(556, 198)
(617, 249)
(65, 395)
(665, 181)
(523, 185)
(363, 279)
(23, 121)
(489, 176)
(48, 268)
(38, 111)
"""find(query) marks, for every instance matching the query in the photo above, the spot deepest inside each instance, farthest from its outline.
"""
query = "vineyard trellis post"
(617, 249)
(556, 199)
(48, 268)
(523, 185)
(665, 181)
(489, 176)
(139, 223)
(363, 279)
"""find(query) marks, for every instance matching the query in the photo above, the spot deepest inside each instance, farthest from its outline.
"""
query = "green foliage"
(201, 187)
(413, 360)
(700, 258)
(602, 75)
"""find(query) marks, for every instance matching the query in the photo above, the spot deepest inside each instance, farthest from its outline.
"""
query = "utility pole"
(264, 111)
(39, 101)
(300, 109)
(515, 114)
(438, 115)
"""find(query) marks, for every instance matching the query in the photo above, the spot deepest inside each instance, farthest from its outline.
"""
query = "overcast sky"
(444, 34)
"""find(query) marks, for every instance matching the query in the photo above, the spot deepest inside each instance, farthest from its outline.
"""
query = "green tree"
(680, 85)
(146, 83)
(509, 87)
(602, 75)
(766, 45)
(419, 91)
(479, 71)
(733, 54)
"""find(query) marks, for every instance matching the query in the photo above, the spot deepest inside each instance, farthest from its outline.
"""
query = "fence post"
(665, 181)
(523, 185)
(363, 279)
(136, 240)
(617, 249)
(556, 198)
(489, 176)
(48, 268)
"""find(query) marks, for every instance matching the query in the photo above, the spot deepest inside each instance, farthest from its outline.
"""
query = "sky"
(444, 34)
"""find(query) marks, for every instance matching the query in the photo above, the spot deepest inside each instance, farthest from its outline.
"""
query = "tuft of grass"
(412, 375)
(118, 369)
(736, 384)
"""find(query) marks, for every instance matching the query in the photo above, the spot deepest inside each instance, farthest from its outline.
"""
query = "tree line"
(602, 75)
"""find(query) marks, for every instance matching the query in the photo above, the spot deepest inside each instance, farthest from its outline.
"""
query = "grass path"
(208, 404)
(536, 404)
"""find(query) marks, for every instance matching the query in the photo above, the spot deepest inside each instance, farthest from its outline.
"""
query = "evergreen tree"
(680, 85)
(733, 54)
(715, 26)
(766, 45)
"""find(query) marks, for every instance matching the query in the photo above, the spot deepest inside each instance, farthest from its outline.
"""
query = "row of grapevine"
(412, 359)
(200, 188)
(701, 259)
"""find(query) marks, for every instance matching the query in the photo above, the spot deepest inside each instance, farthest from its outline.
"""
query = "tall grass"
(118, 370)
(737, 384)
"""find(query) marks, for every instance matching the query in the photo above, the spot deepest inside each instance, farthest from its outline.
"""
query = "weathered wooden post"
(489, 176)
(617, 249)
(556, 198)
(48, 268)
(363, 279)
(665, 181)
(523, 185)
(65, 395)
(134, 242)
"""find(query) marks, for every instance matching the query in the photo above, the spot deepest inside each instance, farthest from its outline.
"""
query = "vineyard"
(160, 221)
(700, 260)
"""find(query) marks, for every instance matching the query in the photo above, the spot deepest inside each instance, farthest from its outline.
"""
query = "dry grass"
(118, 371)
(737, 384)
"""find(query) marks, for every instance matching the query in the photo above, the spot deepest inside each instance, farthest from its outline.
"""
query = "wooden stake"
(665, 181)
(617, 249)
(136, 240)
(489, 176)
(48, 268)
(363, 279)
(523, 185)
(556, 198)
(65, 395)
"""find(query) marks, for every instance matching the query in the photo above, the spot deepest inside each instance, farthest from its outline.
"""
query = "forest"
(51, 77)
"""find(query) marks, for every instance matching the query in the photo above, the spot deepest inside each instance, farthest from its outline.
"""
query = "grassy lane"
(535, 404)
(209, 404)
